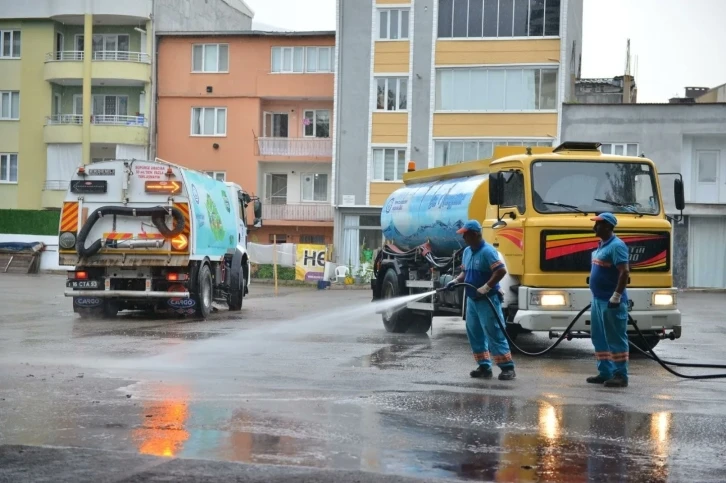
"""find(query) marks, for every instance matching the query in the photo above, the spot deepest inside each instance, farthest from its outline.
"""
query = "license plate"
(82, 284)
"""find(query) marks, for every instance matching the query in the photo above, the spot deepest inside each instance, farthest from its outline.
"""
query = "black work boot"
(617, 381)
(507, 375)
(596, 379)
(482, 372)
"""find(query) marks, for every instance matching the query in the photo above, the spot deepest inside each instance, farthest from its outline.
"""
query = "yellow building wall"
(485, 125)
(35, 105)
(8, 196)
(10, 80)
(389, 128)
(472, 52)
(391, 57)
(381, 191)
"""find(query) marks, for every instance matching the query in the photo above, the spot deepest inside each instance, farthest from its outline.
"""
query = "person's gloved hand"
(484, 289)
(614, 301)
(451, 286)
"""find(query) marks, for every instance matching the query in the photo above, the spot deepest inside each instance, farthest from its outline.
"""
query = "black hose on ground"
(650, 354)
(158, 216)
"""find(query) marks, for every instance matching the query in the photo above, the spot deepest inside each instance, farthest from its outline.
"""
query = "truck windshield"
(571, 186)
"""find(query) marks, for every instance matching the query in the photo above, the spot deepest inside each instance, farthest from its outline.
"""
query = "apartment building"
(76, 85)
(440, 82)
(255, 108)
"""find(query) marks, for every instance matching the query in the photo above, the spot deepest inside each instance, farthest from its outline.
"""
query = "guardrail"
(99, 55)
(314, 147)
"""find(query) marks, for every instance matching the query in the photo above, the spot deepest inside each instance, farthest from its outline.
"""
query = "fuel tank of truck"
(433, 211)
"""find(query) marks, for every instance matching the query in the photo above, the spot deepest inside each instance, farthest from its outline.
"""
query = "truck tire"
(203, 297)
(110, 309)
(402, 320)
(236, 291)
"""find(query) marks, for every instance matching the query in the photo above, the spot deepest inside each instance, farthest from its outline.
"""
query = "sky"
(670, 52)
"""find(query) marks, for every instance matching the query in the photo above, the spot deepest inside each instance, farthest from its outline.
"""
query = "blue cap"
(471, 225)
(609, 217)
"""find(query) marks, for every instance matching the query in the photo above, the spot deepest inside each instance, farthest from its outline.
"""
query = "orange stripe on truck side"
(118, 236)
(69, 217)
(184, 207)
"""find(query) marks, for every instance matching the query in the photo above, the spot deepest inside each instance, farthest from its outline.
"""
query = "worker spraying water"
(483, 268)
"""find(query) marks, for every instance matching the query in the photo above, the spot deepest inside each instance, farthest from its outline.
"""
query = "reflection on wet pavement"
(466, 436)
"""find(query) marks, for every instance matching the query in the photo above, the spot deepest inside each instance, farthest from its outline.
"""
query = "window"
(513, 195)
(707, 166)
(276, 189)
(389, 164)
(104, 107)
(392, 94)
(620, 149)
(498, 18)
(319, 59)
(278, 239)
(10, 105)
(296, 60)
(275, 125)
(106, 46)
(209, 121)
(312, 239)
(496, 89)
(210, 58)
(315, 187)
(448, 152)
(393, 24)
(594, 187)
(361, 235)
(9, 44)
(8, 168)
(218, 175)
(317, 124)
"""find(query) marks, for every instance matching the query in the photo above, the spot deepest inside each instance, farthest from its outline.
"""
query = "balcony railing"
(297, 212)
(138, 121)
(99, 55)
(313, 147)
(56, 185)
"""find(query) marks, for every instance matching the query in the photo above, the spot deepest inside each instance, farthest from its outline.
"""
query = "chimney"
(627, 89)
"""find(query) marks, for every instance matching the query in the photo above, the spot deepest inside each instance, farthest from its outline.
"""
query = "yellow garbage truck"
(535, 205)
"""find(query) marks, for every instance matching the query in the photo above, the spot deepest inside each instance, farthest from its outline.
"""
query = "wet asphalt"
(310, 379)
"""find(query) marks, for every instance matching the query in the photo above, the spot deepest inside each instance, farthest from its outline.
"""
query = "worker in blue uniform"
(482, 268)
(609, 311)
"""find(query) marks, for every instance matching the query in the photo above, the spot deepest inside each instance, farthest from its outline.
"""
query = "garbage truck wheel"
(204, 292)
(236, 291)
(402, 320)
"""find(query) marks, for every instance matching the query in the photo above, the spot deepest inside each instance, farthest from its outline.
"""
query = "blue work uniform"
(482, 328)
(609, 329)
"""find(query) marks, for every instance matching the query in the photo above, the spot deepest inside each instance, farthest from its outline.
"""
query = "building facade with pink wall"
(255, 108)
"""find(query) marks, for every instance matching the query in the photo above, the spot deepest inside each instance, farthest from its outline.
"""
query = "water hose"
(650, 354)
(158, 216)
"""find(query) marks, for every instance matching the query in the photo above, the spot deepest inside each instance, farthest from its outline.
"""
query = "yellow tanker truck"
(535, 205)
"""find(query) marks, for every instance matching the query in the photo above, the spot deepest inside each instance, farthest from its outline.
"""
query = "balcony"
(297, 212)
(67, 128)
(295, 147)
(66, 67)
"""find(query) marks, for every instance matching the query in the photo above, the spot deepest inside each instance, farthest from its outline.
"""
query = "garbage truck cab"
(152, 235)
(535, 207)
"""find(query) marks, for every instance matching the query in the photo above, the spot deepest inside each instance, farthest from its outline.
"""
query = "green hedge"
(265, 272)
(29, 222)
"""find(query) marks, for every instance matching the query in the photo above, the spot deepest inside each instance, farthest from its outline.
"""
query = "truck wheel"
(638, 342)
(203, 297)
(236, 291)
(402, 320)
(110, 309)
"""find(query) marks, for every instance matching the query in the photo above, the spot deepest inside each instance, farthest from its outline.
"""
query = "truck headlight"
(662, 299)
(548, 299)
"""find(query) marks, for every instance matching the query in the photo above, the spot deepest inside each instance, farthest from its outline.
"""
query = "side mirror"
(679, 196)
(258, 210)
(495, 189)
(499, 224)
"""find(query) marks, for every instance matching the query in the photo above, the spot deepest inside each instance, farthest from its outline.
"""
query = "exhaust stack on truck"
(151, 235)
(535, 206)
